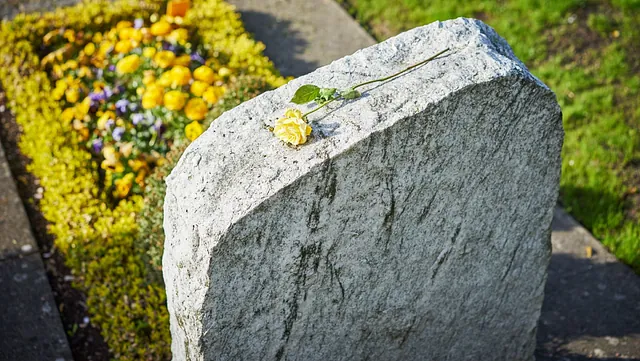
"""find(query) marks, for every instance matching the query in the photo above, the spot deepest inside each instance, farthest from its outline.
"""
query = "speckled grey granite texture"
(414, 226)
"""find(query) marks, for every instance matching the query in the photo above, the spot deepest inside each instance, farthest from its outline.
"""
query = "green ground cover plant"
(108, 95)
(588, 52)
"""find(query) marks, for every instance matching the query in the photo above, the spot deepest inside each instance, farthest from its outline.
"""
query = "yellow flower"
(105, 47)
(68, 114)
(128, 64)
(82, 109)
(70, 35)
(126, 149)
(198, 88)
(85, 71)
(213, 94)
(165, 80)
(123, 46)
(196, 109)
(152, 97)
(71, 64)
(124, 24)
(183, 60)
(292, 129)
(193, 131)
(104, 118)
(224, 72)
(123, 185)
(148, 78)
(161, 28)
(89, 49)
(111, 159)
(97, 38)
(205, 74)
(58, 92)
(164, 59)
(180, 75)
(149, 52)
(174, 100)
(178, 36)
(72, 95)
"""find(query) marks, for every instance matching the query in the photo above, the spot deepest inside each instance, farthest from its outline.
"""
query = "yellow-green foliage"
(96, 238)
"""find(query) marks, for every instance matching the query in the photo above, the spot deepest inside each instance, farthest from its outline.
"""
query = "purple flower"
(97, 145)
(109, 123)
(137, 118)
(138, 23)
(121, 106)
(107, 92)
(197, 57)
(117, 134)
(169, 46)
(112, 67)
(133, 107)
(96, 97)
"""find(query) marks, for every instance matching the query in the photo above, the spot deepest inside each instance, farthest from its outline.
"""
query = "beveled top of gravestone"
(238, 149)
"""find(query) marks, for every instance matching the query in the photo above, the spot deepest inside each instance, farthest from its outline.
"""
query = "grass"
(588, 52)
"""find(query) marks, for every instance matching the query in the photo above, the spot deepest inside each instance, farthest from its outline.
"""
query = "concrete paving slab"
(591, 309)
(302, 35)
(30, 325)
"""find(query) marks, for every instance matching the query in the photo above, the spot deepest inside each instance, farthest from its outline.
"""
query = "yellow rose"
(123, 46)
(180, 75)
(128, 64)
(205, 74)
(292, 128)
(89, 49)
(152, 97)
(178, 36)
(164, 59)
(174, 100)
(161, 28)
(198, 88)
(183, 60)
(149, 52)
(72, 95)
(193, 131)
(196, 109)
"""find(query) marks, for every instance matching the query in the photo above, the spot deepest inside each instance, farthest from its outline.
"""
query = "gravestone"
(414, 225)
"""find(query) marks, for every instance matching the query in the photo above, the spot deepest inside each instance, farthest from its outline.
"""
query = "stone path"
(30, 326)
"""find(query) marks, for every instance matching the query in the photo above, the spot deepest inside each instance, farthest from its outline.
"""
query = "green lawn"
(588, 52)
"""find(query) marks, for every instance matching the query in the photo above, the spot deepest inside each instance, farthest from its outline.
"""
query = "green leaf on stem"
(349, 93)
(325, 95)
(305, 94)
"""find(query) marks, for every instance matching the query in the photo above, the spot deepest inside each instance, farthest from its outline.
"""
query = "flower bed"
(108, 95)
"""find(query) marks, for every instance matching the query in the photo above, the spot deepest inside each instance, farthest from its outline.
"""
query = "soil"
(84, 339)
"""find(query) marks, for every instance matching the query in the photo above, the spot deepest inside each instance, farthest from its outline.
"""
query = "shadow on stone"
(284, 44)
(590, 308)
